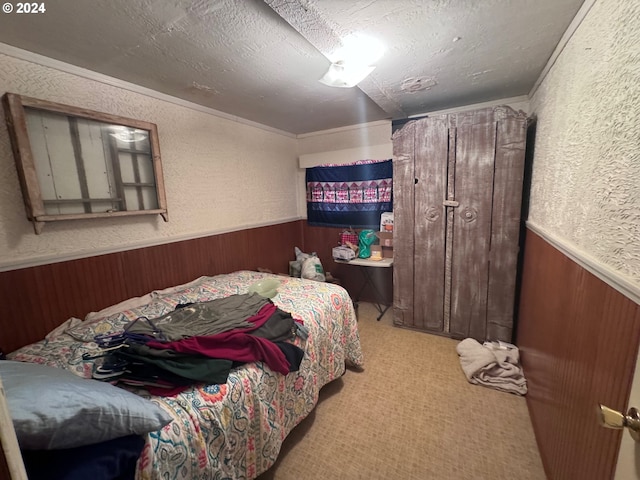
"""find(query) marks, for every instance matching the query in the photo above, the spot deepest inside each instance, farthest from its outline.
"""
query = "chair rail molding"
(610, 276)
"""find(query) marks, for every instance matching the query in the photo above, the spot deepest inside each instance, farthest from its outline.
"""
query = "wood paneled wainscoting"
(37, 299)
(578, 338)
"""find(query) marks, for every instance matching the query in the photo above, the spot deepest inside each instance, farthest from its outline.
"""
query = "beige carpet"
(410, 414)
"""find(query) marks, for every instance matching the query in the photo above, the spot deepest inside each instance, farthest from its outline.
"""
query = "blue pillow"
(52, 408)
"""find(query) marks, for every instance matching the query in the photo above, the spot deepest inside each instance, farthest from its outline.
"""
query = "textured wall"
(586, 170)
(220, 175)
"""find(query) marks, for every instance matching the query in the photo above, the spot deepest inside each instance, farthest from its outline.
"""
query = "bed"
(231, 430)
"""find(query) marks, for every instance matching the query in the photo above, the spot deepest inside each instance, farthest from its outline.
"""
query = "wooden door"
(420, 184)
(628, 463)
(403, 224)
(469, 249)
(511, 134)
(431, 158)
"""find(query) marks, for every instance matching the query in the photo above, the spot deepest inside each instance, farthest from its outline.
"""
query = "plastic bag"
(312, 269)
(311, 266)
(300, 255)
(366, 239)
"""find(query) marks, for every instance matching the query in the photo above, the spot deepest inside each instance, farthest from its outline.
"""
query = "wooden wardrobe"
(457, 186)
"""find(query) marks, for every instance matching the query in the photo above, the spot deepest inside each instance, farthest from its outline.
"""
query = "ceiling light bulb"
(361, 49)
(353, 61)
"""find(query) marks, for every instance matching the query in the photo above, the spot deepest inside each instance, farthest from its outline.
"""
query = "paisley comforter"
(233, 430)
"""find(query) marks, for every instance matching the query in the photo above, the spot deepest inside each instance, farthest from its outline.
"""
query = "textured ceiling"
(261, 59)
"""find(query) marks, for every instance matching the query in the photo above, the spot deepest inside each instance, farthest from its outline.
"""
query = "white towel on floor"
(492, 366)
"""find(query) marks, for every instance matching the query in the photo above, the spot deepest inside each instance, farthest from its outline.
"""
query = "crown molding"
(564, 40)
(132, 87)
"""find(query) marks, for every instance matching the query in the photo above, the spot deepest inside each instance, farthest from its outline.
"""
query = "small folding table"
(365, 265)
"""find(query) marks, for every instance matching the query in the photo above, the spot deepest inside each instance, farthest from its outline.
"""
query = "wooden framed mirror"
(75, 163)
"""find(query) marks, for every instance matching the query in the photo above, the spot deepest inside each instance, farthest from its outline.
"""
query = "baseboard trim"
(610, 276)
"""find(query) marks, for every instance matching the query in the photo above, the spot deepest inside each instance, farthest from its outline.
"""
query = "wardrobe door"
(474, 174)
(403, 224)
(505, 224)
(431, 154)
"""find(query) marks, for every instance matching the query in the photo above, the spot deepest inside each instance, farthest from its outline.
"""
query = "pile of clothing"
(492, 364)
(200, 343)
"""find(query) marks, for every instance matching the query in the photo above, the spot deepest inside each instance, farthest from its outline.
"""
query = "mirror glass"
(75, 163)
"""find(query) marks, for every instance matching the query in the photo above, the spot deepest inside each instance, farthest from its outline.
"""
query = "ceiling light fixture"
(353, 61)
(345, 75)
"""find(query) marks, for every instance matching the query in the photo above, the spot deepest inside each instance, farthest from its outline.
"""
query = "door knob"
(610, 418)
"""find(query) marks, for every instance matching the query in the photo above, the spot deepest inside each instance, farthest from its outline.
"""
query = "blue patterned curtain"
(352, 195)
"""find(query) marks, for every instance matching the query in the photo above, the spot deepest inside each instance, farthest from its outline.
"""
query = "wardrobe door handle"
(451, 203)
